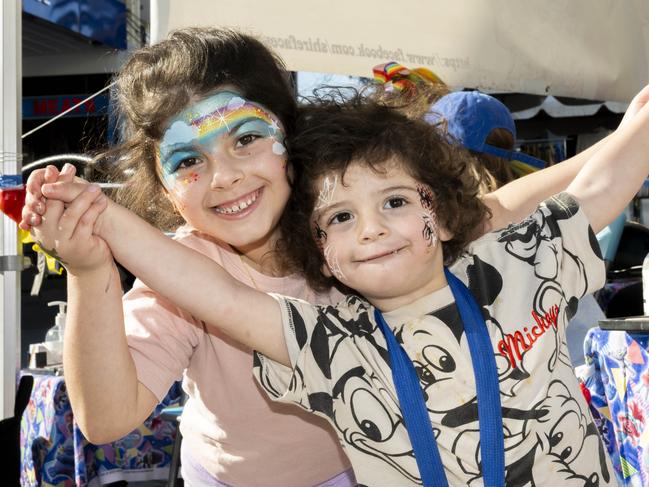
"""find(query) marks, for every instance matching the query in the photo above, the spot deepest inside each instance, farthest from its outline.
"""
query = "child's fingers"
(51, 174)
(53, 210)
(643, 94)
(67, 172)
(637, 103)
(76, 209)
(30, 216)
(33, 186)
(23, 225)
(87, 221)
(66, 191)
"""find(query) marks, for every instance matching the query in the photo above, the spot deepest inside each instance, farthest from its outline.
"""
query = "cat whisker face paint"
(331, 258)
(430, 230)
(192, 134)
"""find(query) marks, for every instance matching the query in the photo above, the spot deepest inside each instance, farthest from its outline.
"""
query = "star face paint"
(194, 129)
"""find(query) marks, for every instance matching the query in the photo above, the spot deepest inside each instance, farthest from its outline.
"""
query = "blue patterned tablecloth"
(616, 380)
(55, 453)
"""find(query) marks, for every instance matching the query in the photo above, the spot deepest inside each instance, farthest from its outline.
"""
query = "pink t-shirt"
(228, 424)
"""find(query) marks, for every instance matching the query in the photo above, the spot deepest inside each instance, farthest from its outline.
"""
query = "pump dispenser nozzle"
(54, 336)
(59, 320)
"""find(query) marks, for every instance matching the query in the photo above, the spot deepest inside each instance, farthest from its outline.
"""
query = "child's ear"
(325, 270)
(444, 234)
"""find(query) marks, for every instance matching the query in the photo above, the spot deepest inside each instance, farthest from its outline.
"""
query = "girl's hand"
(637, 103)
(35, 203)
(66, 232)
(68, 235)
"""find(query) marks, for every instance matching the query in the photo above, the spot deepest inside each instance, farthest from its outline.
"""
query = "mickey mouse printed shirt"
(527, 279)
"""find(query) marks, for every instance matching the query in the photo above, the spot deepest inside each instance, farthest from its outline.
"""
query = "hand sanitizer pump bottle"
(54, 336)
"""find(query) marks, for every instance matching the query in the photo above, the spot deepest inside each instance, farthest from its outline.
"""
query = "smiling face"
(223, 163)
(378, 234)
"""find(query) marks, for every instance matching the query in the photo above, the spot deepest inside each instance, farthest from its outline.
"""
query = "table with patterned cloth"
(616, 384)
(54, 452)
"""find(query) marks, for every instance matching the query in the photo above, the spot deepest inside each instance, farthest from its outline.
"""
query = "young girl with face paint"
(382, 203)
(204, 116)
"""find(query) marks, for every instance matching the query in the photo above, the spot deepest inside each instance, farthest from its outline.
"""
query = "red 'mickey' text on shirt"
(514, 345)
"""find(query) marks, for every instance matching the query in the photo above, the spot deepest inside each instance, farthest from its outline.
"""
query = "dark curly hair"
(334, 133)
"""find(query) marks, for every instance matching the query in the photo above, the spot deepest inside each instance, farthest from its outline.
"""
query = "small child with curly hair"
(446, 365)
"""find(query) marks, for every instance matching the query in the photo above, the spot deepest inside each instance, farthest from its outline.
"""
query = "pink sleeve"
(160, 336)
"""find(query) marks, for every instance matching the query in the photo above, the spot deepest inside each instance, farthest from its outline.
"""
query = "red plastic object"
(12, 201)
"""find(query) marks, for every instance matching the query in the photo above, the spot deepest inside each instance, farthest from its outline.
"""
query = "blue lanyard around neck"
(413, 406)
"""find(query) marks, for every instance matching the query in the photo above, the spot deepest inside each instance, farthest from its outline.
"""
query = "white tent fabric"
(578, 48)
(556, 109)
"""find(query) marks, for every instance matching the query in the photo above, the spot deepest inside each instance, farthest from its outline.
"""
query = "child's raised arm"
(610, 179)
(99, 370)
(185, 277)
(518, 198)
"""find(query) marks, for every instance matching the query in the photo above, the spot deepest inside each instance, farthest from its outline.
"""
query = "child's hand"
(637, 103)
(35, 203)
(66, 233)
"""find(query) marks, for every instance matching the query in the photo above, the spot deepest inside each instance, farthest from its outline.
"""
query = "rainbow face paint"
(190, 133)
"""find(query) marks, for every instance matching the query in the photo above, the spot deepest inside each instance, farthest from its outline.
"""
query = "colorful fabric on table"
(616, 376)
(54, 451)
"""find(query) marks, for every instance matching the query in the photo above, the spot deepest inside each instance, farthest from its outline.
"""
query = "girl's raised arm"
(99, 370)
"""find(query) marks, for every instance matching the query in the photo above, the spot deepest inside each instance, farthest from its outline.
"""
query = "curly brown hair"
(158, 81)
(334, 133)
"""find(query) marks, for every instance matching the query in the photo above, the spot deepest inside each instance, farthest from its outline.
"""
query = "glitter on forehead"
(217, 119)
